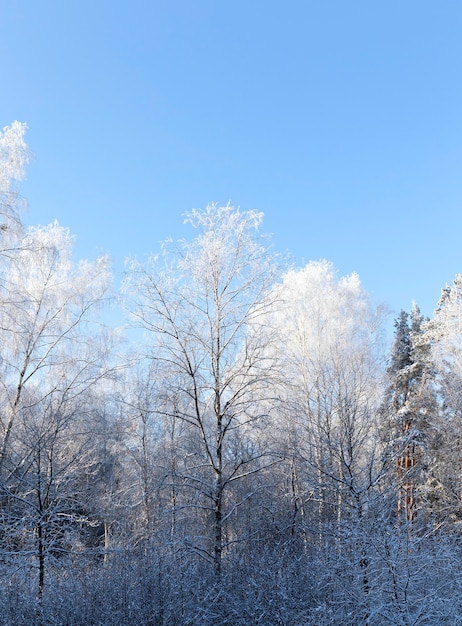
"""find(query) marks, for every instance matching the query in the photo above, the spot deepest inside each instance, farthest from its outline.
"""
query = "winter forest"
(245, 448)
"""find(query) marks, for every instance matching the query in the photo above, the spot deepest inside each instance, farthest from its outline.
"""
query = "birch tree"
(53, 353)
(199, 303)
(443, 333)
(330, 338)
(14, 156)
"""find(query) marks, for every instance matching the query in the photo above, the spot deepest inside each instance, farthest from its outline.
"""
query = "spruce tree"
(410, 403)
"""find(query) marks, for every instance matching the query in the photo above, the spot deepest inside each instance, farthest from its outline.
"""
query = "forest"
(245, 449)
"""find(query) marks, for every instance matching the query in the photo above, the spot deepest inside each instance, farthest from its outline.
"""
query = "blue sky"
(341, 121)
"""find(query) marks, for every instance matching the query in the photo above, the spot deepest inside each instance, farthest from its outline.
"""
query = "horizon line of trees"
(253, 453)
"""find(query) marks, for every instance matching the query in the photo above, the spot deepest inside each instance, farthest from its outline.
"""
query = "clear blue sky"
(340, 120)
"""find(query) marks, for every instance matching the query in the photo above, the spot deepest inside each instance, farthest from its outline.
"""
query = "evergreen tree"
(411, 400)
(400, 361)
(444, 333)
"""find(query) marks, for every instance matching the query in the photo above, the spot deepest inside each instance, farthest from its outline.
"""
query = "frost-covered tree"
(53, 354)
(154, 440)
(14, 156)
(200, 303)
(444, 476)
(329, 340)
(413, 429)
(445, 329)
(47, 302)
(330, 337)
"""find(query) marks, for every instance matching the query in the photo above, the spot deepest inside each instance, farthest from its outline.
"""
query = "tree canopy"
(248, 449)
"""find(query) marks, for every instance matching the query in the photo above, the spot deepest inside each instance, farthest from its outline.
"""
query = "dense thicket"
(248, 451)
